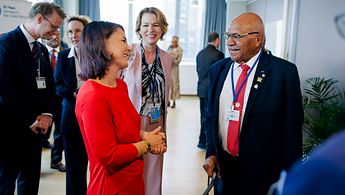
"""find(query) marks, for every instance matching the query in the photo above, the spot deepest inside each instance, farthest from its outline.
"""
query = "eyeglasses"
(238, 36)
(54, 28)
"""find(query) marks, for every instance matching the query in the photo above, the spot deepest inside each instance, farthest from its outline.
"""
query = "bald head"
(250, 22)
(246, 37)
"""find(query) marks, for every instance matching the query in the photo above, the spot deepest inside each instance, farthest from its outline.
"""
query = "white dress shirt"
(226, 97)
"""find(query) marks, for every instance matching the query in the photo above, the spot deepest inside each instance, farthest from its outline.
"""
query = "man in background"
(54, 47)
(26, 93)
(205, 58)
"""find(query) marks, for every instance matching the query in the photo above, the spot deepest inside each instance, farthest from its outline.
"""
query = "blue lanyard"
(235, 95)
(154, 64)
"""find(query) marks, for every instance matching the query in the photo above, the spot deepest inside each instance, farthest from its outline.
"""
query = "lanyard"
(154, 64)
(235, 94)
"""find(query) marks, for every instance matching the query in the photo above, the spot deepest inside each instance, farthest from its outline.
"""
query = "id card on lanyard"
(235, 114)
(40, 81)
(153, 108)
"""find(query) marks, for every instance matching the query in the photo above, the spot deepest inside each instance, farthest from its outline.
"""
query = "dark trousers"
(75, 155)
(203, 113)
(22, 164)
(229, 171)
(45, 137)
(57, 148)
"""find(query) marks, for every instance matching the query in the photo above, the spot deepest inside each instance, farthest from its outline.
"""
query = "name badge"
(233, 115)
(41, 82)
(154, 112)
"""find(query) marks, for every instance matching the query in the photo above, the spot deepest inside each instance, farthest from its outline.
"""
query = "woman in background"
(109, 123)
(67, 85)
(148, 78)
(176, 52)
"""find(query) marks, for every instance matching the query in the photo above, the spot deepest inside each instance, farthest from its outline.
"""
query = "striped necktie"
(35, 51)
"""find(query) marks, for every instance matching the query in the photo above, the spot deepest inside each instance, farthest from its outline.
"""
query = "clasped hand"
(157, 140)
(42, 123)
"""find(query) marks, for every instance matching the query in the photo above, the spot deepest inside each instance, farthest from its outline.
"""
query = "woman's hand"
(157, 141)
(159, 149)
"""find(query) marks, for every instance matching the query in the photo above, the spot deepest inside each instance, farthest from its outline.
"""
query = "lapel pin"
(256, 86)
(259, 79)
(263, 75)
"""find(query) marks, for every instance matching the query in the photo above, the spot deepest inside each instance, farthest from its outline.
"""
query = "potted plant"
(324, 111)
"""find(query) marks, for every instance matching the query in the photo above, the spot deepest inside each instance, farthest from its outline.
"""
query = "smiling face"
(74, 29)
(118, 49)
(242, 49)
(150, 29)
(49, 25)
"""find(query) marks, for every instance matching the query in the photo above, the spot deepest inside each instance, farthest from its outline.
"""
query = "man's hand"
(210, 164)
(42, 123)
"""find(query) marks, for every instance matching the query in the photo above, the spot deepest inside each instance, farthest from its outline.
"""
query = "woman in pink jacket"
(148, 78)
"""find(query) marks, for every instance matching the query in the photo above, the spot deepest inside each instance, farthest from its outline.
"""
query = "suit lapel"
(73, 71)
(261, 74)
(23, 43)
(221, 79)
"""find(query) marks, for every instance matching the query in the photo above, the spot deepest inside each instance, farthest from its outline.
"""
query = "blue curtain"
(215, 19)
(59, 2)
(90, 8)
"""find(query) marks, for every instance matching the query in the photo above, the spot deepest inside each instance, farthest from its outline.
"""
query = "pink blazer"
(133, 73)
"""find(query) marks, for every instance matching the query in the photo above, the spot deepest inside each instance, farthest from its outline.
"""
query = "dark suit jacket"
(20, 99)
(271, 133)
(205, 58)
(323, 173)
(66, 85)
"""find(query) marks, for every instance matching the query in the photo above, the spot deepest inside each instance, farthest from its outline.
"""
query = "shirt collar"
(250, 62)
(71, 53)
(27, 35)
(50, 48)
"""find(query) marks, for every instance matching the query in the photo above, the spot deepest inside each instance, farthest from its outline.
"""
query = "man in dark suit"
(254, 131)
(54, 47)
(26, 98)
(205, 58)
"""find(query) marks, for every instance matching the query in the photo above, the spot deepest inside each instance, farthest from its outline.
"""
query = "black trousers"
(75, 155)
(21, 164)
(57, 148)
(203, 113)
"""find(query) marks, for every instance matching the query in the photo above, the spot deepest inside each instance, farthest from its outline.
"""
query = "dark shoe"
(46, 144)
(173, 105)
(168, 103)
(59, 166)
(202, 146)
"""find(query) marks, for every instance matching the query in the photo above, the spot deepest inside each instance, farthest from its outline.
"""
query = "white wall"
(188, 78)
(234, 9)
(71, 7)
(12, 14)
(320, 51)
(271, 12)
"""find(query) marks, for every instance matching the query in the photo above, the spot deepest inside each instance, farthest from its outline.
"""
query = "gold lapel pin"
(259, 79)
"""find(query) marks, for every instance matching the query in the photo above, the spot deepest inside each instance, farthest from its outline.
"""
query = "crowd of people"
(109, 100)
